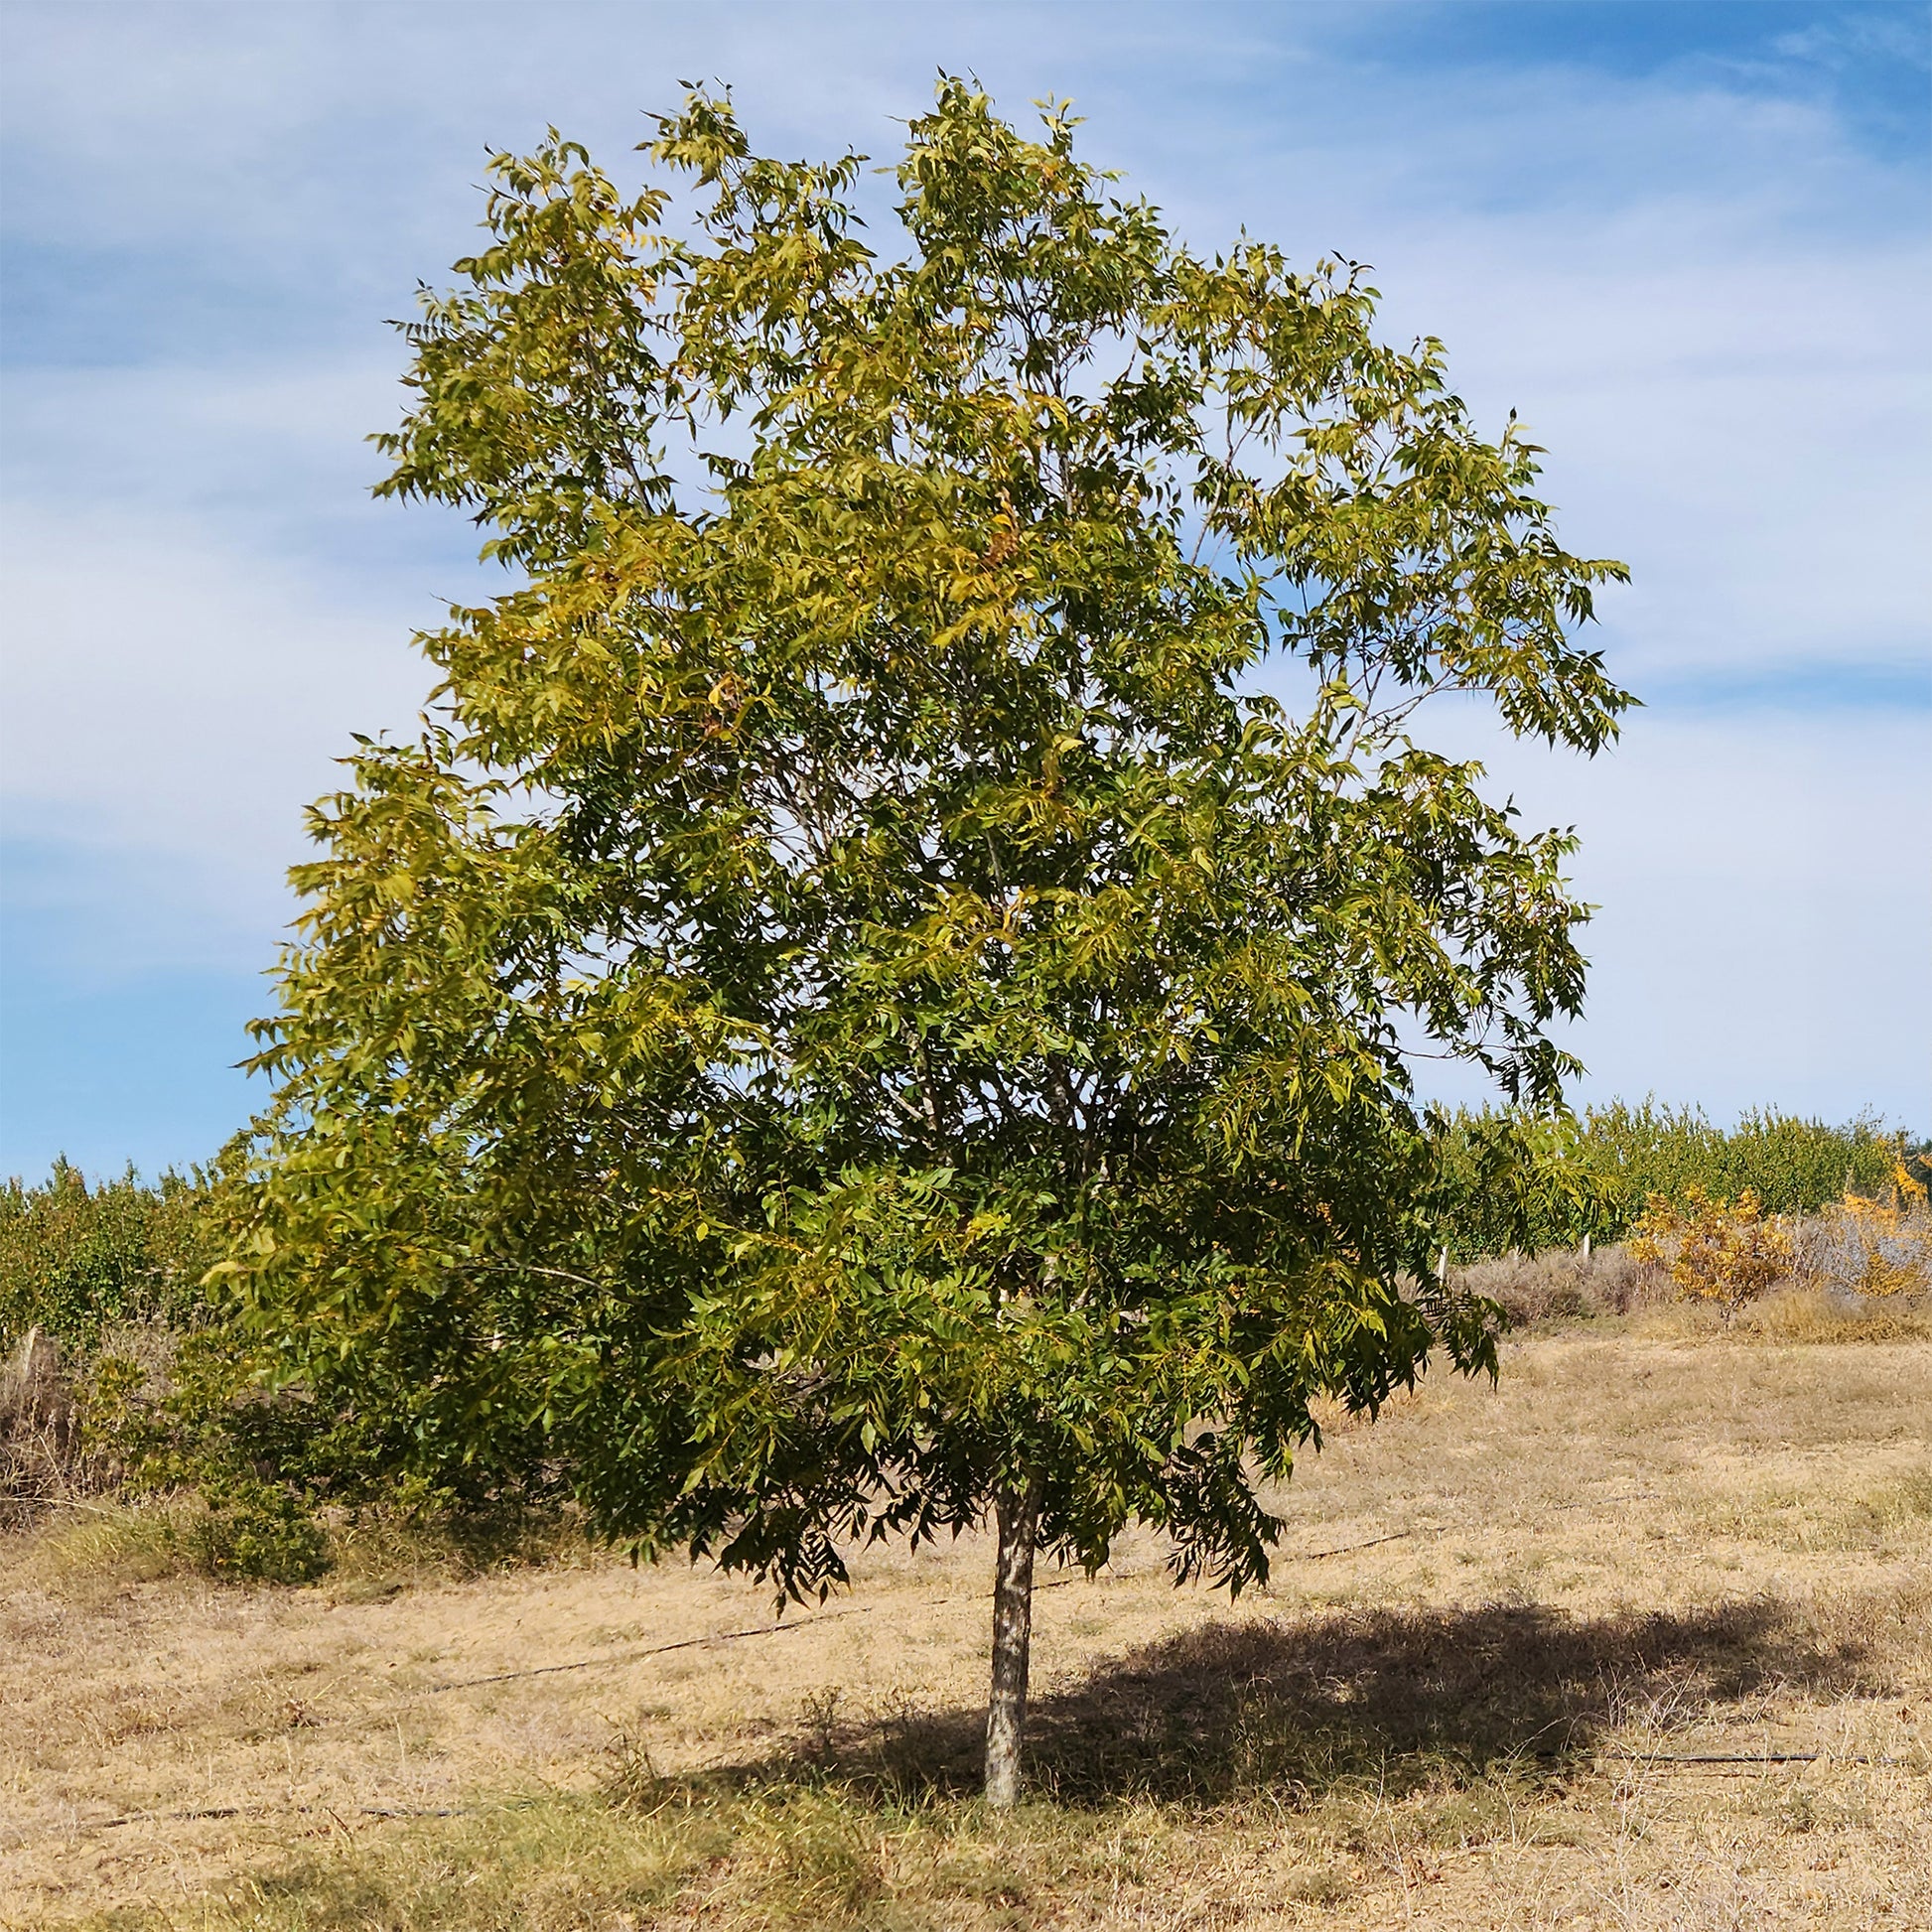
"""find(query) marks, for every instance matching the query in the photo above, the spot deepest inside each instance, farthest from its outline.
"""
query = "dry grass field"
(1641, 1638)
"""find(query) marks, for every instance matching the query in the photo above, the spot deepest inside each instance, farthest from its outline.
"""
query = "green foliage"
(118, 1266)
(257, 1532)
(1793, 1165)
(193, 1421)
(858, 1002)
(204, 1423)
(1595, 1175)
(75, 1258)
(1520, 1183)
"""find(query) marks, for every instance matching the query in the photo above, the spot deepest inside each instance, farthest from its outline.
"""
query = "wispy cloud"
(1689, 267)
(1901, 33)
(1760, 933)
(172, 703)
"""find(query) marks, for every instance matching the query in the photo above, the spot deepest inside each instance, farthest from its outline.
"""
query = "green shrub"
(164, 1396)
(77, 1259)
(1593, 1175)
(1793, 1165)
(257, 1532)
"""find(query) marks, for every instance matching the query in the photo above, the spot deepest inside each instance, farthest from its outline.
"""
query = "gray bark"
(1016, 1512)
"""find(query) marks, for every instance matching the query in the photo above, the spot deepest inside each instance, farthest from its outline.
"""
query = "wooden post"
(1016, 1511)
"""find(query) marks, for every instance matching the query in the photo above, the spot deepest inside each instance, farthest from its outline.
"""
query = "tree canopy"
(865, 1006)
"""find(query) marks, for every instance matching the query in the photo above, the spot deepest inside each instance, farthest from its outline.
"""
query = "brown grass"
(1563, 1284)
(1502, 1622)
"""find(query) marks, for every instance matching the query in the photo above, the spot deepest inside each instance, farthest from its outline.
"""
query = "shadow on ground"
(1406, 1699)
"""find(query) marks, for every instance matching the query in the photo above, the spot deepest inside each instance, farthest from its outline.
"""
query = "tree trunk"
(1018, 1514)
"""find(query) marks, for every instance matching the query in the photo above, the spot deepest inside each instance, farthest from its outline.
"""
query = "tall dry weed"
(37, 1430)
(1566, 1284)
(1872, 1246)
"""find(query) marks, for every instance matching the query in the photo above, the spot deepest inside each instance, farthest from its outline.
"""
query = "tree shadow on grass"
(1303, 1705)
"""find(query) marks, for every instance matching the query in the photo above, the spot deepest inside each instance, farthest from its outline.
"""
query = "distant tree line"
(80, 1257)
(77, 1257)
(1591, 1175)
(160, 1377)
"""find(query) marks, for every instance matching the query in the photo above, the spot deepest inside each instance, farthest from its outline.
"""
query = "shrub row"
(1592, 1176)
(118, 1373)
(77, 1260)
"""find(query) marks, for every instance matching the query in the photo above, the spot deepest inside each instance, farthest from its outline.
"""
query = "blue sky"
(1687, 242)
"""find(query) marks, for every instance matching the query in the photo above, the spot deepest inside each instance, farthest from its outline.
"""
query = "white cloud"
(171, 705)
(271, 452)
(1708, 300)
(1759, 463)
(1709, 307)
(1898, 35)
(1763, 923)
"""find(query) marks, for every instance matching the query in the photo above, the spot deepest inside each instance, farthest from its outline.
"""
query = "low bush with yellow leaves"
(1727, 1251)
(1867, 1246)
(1715, 1250)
